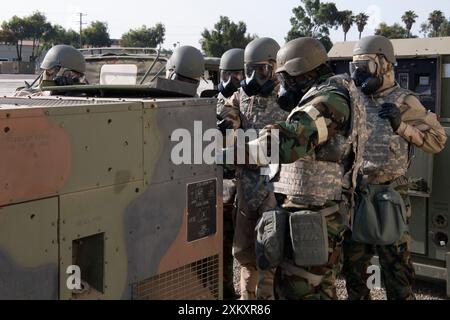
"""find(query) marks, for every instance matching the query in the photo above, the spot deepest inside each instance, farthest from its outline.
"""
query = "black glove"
(228, 173)
(392, 113)
(223, 120)
(223, 124)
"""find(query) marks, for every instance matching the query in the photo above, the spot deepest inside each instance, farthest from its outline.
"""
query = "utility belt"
(305, 232)
(363, 181)
(380, 216)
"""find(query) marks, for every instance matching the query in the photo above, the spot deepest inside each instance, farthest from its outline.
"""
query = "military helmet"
(261, 49)
(232, 60)
(375, 45)
(300, 56)
(64, 56)
(187, 61)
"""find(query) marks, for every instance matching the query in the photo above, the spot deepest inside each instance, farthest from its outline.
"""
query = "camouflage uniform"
(220, 103)
(31, 92)
(421, 129)
(229, 213)
(253, 192)
(302, 183)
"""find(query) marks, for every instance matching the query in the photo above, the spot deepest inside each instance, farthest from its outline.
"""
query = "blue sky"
(186, 19)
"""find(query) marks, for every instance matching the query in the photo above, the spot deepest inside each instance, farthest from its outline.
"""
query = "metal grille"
(40, 102)
(198, 280)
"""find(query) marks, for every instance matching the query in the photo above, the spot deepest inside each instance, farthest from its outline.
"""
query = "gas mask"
(60, 77)
(230, 82)
(173, 75)
(258, 79)
(292, 90)
(66, 81)
(365, 74)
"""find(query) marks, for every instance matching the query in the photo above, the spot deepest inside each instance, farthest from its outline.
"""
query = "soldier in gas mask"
(186, 64)
(318, 149)
(396, 122)
(63, 65)
(231, 75)
(253, 106)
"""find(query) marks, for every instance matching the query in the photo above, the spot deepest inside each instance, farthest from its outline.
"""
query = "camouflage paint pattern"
(75, 169)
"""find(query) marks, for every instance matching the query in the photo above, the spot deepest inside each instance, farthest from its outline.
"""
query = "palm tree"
(409, 18)
(425, 29)
(435, 20)
(361, 21)
(346, 20)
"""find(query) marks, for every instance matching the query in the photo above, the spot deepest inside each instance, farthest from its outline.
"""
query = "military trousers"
(397, 271)
(229, 211)
(229, 215)
(254, 284)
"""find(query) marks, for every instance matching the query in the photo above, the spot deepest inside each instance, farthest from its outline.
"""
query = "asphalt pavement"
(9, 82)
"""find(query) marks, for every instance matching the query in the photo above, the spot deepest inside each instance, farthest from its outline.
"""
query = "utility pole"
(81, 27)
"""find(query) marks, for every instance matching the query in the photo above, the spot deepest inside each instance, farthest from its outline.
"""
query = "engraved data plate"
(201, 205)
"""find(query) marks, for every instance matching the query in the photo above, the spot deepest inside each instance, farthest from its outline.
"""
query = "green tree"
(96, 35)
(444, 29)
(396, 31)
(409, 18)
(38, 28)
(59, 35)
(432, 27)
(167, 52)
(225, 35)
(425, 29)
(361, 21)
(436, 19)
(314, 19)
(18, 30)
(346, 20)
(144, 37)
(6, 37)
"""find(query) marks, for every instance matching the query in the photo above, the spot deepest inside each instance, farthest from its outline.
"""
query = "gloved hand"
(391, 112)
(224, 124)
(224, 120)
(229, 173)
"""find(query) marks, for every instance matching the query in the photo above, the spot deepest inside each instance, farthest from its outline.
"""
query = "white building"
(9, 53)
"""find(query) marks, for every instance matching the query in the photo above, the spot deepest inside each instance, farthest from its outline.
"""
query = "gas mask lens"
(260, 72)
(367, 66)
(286, 80)
(49, 74)
(364, 74)
(171, 74)
(225, 76)
(230, 82)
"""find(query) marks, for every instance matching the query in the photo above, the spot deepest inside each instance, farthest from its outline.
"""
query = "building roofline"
(404, 48)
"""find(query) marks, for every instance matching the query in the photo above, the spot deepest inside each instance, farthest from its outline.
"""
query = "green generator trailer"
(88, 184)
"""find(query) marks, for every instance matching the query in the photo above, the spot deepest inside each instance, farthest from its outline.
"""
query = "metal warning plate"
(201, 205)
